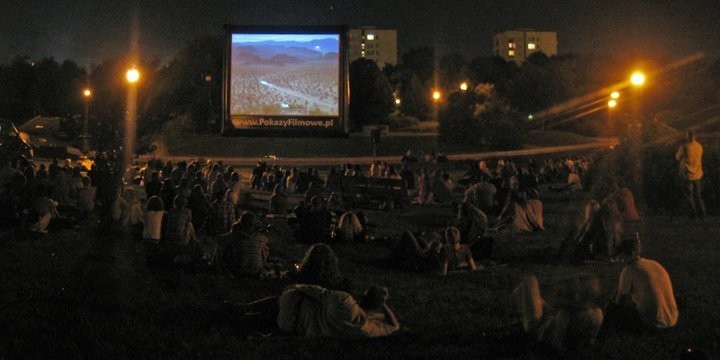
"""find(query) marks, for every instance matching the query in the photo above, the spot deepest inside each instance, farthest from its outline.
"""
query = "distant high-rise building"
(373, 44)
(518, 45)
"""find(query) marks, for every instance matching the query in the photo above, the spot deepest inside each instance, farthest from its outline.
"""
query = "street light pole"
(87, 94)
(211, 115)
(132, 76)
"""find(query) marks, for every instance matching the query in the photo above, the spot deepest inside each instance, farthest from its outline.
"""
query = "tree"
(421, 62)
(45, 87)
(453, 71)
(482, 118)
(494, 70)
(371, 99)
(109, 102)
(190, 85)
(415, 98)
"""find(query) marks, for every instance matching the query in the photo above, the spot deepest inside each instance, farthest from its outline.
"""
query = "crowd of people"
(196, 212)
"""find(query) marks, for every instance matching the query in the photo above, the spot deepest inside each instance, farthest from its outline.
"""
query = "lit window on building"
(531, 46)
(362, 46)
(511, 45)
(362, 53)
(511, 53)
(370, 37)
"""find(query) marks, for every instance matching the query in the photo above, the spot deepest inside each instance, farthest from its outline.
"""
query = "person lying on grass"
(456, 256)
(570, 325)
(314, 311)
(417, 253)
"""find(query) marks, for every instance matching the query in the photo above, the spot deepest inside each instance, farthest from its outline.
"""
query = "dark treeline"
(499, 98)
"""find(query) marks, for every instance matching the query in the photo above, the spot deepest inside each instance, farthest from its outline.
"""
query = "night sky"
(90, 31)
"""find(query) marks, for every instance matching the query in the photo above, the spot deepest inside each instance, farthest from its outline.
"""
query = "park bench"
(378, 193)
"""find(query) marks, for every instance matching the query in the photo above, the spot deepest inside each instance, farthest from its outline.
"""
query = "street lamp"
(637, 78)
(614, 95)
(464, 86)
(132, 75)
(436, 95)
(612, 103)
(87, 95)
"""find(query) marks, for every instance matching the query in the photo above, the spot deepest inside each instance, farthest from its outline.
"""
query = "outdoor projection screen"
(285, 81)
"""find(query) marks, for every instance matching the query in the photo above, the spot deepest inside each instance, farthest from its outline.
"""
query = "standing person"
(645, 299)
(689, 157)
(375, 136)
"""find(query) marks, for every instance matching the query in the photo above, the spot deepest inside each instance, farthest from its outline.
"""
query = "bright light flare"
(397, 101)
(615, 95)
(132, 75)
(87, 93)
(612, 103)
(464, 86)
(436, 95)
(637, 78)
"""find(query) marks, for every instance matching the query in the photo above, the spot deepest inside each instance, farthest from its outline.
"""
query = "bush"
(398, 121)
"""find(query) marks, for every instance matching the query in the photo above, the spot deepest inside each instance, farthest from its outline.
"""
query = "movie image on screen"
(285, 74)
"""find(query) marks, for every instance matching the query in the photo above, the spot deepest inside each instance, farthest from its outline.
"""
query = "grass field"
(88, 293)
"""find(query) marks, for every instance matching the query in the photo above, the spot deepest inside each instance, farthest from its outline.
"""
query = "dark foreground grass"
(89, 294)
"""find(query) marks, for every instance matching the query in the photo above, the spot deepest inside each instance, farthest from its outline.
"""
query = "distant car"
(12, 142)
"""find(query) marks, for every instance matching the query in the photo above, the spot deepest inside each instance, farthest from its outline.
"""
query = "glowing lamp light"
(614, 95)
(132, 75)
(531, 116)
(637, 78)
(464, 86)
(612, 103)
(87, 93)
(397, 101)
(436, 95)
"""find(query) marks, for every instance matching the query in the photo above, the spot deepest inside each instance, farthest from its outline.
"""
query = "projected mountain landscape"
(293, 75)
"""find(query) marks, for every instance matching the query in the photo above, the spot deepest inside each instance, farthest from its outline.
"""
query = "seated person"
(319, 266)
(278, 200)
(573, 184)
(153, 219)
(222, 213)
(482, 195)
(314, 222)
(179, 229)
(520, 214)
(441, 189)
(621, 202)
(456, 256)
(349, 228)
(86, 196)
(42, 210)
(593, 236)
(313, 311)
(246, 248)
(417, 254)
(572, 324)
(527, 214)
(645, 299)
